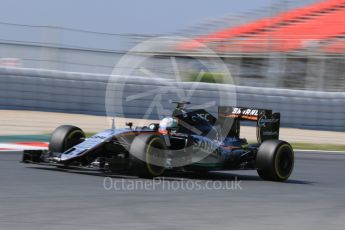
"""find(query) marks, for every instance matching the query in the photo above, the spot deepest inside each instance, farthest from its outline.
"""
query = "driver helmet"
(167, 124)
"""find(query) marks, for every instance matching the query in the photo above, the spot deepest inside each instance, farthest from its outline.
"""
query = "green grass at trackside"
(29, 138)
(24, 138)
(325, 147)
(208, 77)
(313, 146)
(89, 134)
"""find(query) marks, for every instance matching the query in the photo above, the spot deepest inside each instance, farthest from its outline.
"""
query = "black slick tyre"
(65, 137)
(275, 160)
(149, 154)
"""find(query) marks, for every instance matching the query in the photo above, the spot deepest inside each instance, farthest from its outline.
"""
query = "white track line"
(16, 147)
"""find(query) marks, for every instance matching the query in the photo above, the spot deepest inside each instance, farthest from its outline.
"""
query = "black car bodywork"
(200, 142)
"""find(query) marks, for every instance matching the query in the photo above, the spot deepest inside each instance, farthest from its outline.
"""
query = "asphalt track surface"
(33, 197)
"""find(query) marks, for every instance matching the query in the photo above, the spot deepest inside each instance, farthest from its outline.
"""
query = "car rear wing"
(267, 123)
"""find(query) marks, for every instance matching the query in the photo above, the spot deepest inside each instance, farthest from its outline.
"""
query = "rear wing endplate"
(267, 123)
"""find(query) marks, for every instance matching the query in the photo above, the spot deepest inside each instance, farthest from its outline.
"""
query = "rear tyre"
(65, 137)
(275, 160)
(149, 155)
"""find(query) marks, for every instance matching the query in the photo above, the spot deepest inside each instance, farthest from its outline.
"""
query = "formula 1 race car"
(189, 140)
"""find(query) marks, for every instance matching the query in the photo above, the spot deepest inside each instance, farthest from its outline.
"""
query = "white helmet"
(166, 124)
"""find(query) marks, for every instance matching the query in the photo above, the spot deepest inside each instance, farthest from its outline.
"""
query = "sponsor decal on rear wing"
(239, 113)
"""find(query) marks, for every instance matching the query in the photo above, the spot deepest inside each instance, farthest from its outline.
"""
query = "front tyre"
(275, 160)
(149, 155)
(65, 137)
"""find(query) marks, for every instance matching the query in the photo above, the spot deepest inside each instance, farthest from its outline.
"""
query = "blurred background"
(286, 44)
(56, 56)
